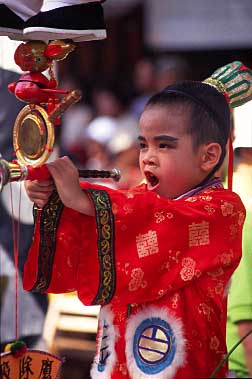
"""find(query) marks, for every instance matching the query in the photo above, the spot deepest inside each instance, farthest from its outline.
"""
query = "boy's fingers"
(45, 186)
(43, 183)
(46, 183)
(63, 164)
(43, 195)
(40, 203)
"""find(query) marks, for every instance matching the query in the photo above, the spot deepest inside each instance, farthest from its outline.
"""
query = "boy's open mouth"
(152, 180)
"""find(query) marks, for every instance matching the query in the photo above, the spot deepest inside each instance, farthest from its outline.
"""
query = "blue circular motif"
(154, 345)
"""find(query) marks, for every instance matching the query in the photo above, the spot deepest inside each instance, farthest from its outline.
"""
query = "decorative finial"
(234, 80)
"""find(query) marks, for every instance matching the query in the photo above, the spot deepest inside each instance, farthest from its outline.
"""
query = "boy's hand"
(66, 179)
(39, 191)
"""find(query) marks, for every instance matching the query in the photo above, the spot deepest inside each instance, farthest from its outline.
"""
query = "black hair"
(208, 109)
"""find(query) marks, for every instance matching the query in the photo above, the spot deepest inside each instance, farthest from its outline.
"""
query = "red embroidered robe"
(159, 268)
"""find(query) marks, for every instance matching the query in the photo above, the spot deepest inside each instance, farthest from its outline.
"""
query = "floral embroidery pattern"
(214, 343)
(234, 230)
(169, 215)
(227, 209)
(210, 210)
(174, 300)
(174, 256)
(161, 293)
(137, 281)
(191, 199)
(216, 273)
(204, 309)
(127, 209)
(165, 266)
(241, 218)
(188, 269)
(159, 216)
(217, 290)
(225, 259)
(206, 198)
(115, 208)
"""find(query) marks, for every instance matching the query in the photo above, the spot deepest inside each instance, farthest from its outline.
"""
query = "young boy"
(157, 258)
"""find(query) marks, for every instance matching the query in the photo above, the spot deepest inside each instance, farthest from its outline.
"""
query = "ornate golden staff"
(33, 132)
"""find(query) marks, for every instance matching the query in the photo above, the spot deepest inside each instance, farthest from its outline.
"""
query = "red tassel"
(230, 164)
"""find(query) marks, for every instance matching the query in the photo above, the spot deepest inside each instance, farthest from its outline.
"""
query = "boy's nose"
(149, 159)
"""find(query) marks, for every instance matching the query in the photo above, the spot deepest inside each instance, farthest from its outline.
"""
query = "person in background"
(113, 127)
(144, 85)
(170, 69)
(239, 320)
(72, 128)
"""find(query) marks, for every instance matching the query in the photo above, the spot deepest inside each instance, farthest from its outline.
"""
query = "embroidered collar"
(214, 183)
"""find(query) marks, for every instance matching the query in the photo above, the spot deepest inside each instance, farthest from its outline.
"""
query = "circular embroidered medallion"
(154, 345)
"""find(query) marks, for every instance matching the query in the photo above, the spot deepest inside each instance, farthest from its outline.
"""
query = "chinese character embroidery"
(147, 244)
(199, 234)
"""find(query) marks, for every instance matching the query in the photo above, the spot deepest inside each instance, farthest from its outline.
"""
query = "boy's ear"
(210, 156)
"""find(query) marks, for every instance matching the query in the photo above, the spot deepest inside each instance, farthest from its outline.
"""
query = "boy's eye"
(165, 146)
(142, 145)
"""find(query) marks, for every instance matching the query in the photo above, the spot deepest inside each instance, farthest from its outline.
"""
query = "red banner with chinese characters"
(33, 364)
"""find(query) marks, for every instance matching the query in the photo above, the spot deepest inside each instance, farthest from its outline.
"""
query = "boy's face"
(168, 161)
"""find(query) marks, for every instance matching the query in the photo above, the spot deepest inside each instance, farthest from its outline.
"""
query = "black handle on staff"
(115, 174)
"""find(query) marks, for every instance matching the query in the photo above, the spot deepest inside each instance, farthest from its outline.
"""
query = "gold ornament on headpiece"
(234, 81)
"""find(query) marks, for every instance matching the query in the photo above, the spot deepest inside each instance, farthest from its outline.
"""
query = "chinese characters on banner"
(33, 364)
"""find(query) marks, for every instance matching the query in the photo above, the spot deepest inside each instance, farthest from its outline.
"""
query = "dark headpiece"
(212, 101)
